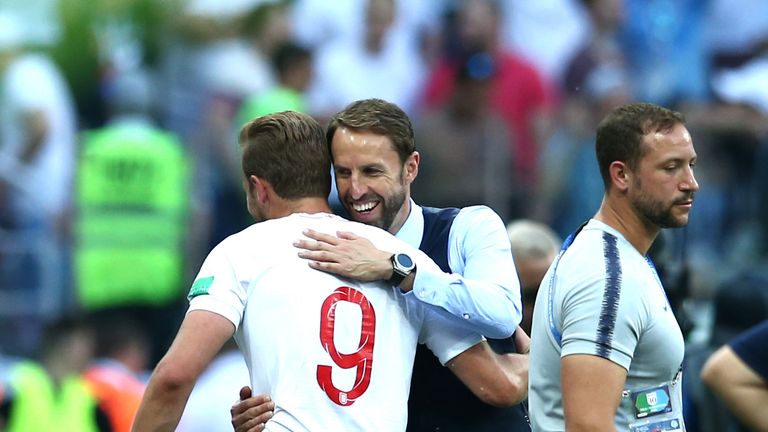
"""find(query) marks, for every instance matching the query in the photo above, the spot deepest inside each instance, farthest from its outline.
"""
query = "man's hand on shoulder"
(251, 413)
(345, 254)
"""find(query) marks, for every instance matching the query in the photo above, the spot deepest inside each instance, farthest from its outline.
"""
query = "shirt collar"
(413, 229)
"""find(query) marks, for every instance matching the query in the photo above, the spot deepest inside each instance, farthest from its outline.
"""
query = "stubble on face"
(673, 150)
(390, 207)
(659, 212)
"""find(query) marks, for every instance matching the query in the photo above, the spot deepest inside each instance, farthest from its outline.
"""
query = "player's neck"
(302, 205)
(620, 216)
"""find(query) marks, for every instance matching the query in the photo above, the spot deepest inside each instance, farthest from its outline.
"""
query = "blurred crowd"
(119, 167)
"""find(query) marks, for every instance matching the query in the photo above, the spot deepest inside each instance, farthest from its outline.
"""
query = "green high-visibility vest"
(132, 202)
(39, 406)
(268, 102)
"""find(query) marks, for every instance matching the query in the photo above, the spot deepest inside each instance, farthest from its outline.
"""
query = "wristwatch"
(402, 266)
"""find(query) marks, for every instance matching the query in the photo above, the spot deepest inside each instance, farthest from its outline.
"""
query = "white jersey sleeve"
(445, 338)
(217, 289)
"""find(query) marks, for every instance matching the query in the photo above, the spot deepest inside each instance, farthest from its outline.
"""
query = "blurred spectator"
(600, 50)
(42, 26)
(738, 373)
(218, 57)
(534, 248)
(736, 35)
(319, 23)
(595, 81)
(375, 63)
(208, 406)
(219, 44)
(51, 394)
(664, 44)
(293, 66)
(465, 136)
(37, 153)
(212, 62)
(737, 121)
(740, 302)
(518, 92)
(38, 133)
(102, 40)
(122, 352)
(133, 217)
(728, 232)
(527, 30)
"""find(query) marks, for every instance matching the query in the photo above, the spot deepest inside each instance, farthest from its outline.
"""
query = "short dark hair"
(288, 150)
(57, 332)
(380, 117)
(116, 330)
(620, 134)
(288, 55)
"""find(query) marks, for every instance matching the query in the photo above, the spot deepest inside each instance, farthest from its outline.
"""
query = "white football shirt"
(334, 354)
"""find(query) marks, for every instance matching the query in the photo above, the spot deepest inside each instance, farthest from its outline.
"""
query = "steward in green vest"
(37, 404)
(132, 200)
(51, 395)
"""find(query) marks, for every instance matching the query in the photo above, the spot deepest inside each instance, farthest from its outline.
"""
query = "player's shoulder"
(585, 255)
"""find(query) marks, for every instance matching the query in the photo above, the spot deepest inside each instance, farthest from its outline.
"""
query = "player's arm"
(592, 385)
(201, 336)
(591, 388)
(743, 390)
(496, 379)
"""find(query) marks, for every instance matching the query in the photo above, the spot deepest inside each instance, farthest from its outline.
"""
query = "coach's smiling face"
(374, 185)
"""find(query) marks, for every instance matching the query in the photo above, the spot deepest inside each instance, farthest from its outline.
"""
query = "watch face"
(404, 260)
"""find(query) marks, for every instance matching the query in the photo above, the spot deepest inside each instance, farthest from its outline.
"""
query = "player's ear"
(260, 189)
(621, 175)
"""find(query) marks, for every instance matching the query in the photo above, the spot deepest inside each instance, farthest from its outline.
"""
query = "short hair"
(532, 240)
(117, 330)
(287, 55)
(380, 117)
(59, 331)
(620, 134)
(288, 150)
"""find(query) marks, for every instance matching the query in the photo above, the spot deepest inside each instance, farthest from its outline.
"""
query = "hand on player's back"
(345, 254)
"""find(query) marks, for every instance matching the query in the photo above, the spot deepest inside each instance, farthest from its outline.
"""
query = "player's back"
(333, 353)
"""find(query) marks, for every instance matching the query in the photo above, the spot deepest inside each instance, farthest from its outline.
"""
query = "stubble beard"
(391, 207)
(657, 212)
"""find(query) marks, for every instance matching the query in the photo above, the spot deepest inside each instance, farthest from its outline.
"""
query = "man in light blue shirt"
(375, 162)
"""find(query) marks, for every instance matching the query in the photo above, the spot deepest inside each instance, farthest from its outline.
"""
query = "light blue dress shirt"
(482, 289)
